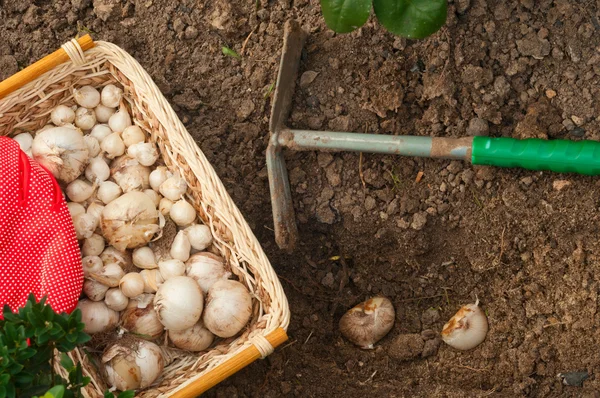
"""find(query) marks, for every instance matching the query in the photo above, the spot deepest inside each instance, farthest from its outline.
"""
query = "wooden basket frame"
(26, 100)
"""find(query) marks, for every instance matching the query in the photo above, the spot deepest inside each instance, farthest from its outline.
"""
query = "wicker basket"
(26, 100)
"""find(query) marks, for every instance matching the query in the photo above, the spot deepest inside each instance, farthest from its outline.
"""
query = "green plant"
(28, 340)
(414, 19)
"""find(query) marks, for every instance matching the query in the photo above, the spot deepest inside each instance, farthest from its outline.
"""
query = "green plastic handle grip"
(562, 156)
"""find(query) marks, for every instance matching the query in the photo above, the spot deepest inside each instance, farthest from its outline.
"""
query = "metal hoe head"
(286, 232)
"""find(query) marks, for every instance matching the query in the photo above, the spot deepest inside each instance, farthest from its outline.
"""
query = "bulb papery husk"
(368, 322)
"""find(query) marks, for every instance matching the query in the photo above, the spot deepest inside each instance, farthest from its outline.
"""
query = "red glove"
(39, 252)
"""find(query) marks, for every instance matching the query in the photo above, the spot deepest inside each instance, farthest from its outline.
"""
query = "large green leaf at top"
(343, 16)
(414, 19)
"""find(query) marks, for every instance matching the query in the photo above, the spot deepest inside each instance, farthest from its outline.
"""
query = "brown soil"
(524, 242)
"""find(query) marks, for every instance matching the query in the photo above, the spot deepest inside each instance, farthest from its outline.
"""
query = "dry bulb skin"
(108, 191)
(93, 146)
(62, 115)
(120, 120)
(62, 151)
(93, 246)
(206, 269)
(368, 322)
(171, 268)
(182, 213)
(111, 96)
(110, 276)
(85, 225)
(179, 303)
(91, 265)
(103, 113)
(196, 338)
(25, 140)
(129, 221)
(95, 291)
(173, 188)
(115, 299)
(158, 176)
(152, 280)
(100, 132)
(143, 322)
(199, 236)
(144, 258)
(133, 135)
(112, 255)
(467, 328)
(113, 146)
(79, 191)
(97, 317)
(97, 171)
(75, 209)
(132, 284)
(85, 118)
(129, 174)
(133, 363)
(228, 308)
(181, 247)
(87, 97)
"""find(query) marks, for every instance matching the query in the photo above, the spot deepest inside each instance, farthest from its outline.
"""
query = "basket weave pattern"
(28, 109)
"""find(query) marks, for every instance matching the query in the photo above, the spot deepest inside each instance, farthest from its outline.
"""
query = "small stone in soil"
(430, 316)
(307, 78)
(454, 167)
(341, 123)
(577, 120)
(106, 9)
(419, 221)
(190, 32)
(430, 348)
(328, 280)
(428, 334)
(324, 158)
(568, 123)
(578, 132)
(245, 109)
(325, 215)
(550, 93)
(406, 347)
(559, 185)
(574, 378)
(478, 127)
(527, 181)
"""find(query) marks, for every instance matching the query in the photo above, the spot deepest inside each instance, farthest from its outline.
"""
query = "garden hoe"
(563, 156)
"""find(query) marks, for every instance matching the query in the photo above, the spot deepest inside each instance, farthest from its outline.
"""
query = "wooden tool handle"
(228, 368)
(42, 66)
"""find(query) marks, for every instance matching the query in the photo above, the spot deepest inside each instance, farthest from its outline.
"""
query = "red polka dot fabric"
(39, 252)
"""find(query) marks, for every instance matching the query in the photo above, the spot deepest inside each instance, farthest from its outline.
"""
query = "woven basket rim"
(246, 252)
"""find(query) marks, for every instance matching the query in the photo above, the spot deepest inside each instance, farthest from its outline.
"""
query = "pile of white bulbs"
(146, 258)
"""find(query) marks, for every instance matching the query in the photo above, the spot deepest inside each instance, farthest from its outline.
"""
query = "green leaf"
(23, 379)
(230, 53)
(414, 19)
(55, 392)
(66, 362)
(343, 16)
